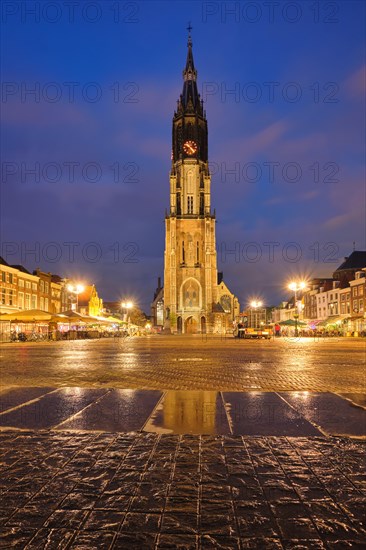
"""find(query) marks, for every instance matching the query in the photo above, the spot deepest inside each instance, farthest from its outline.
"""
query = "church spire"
(190, 98)
(189, 72)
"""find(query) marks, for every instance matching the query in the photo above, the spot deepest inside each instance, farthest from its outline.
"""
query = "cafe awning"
(292, 323)
(27, 316)
(70, 316)
(108, 320)
(332, 320)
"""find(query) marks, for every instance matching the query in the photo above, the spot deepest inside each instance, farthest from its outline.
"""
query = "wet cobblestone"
(104, 490)
(183, 363)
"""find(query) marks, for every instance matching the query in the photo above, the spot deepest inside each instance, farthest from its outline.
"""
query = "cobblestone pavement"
(88, 490)
(119, 488)
(169, 362)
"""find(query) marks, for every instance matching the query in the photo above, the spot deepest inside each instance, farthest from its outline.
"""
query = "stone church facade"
(196, 300)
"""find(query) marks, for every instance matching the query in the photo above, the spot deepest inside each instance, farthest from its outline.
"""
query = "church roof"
(357, 260)
(190, 98)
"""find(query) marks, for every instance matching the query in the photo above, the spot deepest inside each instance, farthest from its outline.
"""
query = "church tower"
(190, 266)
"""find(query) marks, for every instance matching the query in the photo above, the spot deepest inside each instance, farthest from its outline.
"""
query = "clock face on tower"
(190, 147)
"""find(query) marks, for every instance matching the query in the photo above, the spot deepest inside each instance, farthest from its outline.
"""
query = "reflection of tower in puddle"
(191, 411)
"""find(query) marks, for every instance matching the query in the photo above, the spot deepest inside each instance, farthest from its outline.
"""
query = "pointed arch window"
(202, 204)
(190, 182)
(179, 210)
(190, 204)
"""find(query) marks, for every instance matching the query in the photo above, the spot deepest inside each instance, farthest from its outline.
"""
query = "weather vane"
(189, 28)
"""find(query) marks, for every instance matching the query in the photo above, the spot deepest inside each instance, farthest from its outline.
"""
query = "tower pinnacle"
(190, 97)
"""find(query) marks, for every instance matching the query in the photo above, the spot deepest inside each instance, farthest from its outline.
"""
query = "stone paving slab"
(19, 396)
(335, 415)
(117, 411)
(51, 409)
(259, 413)
(144, 490)
(196, 412)
(181, 412)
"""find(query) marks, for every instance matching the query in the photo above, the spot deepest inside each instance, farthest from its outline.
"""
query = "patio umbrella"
(292, 323)
(26, 316)
(71, 317)
(107, 320)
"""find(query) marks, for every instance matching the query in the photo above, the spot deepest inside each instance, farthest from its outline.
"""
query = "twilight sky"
(283, 84)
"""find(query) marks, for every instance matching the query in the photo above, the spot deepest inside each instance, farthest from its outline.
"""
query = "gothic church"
(194, 298)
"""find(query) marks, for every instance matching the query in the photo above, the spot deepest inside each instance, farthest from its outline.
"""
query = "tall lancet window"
(178, 205)
(190, 189)
(190, 205)
(202, 204)
(183, 254)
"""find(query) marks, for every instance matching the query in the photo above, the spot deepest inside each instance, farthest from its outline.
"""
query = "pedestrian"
(277, 329)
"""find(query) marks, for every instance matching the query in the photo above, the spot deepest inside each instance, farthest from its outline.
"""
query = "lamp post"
(126, 306)
(76, 289)
(255, 304)
(295, 287)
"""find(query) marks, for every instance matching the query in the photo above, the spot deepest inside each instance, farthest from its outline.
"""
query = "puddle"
(189, 412)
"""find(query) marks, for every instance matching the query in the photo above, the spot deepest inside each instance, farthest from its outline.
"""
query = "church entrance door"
(179, 325)
(191, 326)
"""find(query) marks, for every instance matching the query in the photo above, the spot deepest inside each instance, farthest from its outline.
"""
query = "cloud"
(43, 115)
(355, 84)
(336, 222)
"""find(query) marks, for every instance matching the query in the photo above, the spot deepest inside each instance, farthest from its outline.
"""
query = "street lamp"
(295, 287)
(126, 306)
(76, 289)
(255, 304)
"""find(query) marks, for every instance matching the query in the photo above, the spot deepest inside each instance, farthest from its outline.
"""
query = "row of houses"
(22, 290)
(337, 302)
